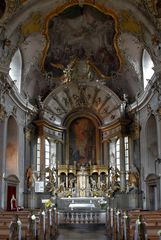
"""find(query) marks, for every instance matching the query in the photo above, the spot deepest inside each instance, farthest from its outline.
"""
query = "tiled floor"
(82, 232)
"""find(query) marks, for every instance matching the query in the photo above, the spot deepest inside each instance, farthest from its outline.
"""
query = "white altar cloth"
(81, 205)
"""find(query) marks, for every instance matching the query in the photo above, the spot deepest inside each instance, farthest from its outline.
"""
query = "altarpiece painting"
(82, 143)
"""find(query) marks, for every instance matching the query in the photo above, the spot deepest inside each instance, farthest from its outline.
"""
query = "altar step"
(82, 231)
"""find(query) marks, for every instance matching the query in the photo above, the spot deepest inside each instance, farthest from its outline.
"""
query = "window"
(117, 149)
(49, 156)
(53, 155)
(114, 149)
(16, 69)
(147, 64)
(126, 156)
(47, 153)
(38, 157)
(115, 155)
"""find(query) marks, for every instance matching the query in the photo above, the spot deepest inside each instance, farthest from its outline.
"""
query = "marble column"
(58, 159)
(58, 179)
(122, 164)
(99, 181)
(131, 152)
(42, 157)
(159, 152)
(67, 181)
(21, 158)
(3, 130)
(106, 153)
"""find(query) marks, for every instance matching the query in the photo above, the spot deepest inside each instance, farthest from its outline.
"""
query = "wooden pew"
(152, 221)
(6, 218)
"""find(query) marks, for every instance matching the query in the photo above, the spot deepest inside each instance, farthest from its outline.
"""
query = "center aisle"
(82, 232)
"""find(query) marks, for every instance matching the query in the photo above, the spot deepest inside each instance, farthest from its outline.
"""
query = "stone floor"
(82, 232)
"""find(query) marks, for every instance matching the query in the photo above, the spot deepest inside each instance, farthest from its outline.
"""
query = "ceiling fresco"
(83, 42)
(76, 98)
(82, 33)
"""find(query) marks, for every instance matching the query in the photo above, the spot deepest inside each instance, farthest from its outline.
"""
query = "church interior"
(80, 119)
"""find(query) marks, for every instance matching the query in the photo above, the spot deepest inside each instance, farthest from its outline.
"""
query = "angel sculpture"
(93, 183)
(67, 71)
(51, 180)
(133, 179)
(30, 178)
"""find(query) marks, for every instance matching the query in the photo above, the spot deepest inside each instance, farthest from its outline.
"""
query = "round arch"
(151, 143)
(12, 147)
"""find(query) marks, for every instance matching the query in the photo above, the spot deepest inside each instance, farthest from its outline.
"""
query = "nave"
(48, 225)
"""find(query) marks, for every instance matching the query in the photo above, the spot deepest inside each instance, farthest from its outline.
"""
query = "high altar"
(84, 181)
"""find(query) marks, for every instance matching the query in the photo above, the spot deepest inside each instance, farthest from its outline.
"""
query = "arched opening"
(12, 189)
(103, 177)
(16, 68)
(147, 65)
(150, 169)
(152, 182)
(63, 179)
(12, 147)
(12, 161)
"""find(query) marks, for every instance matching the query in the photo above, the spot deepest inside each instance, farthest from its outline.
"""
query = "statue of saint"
(93, 183)
(30, 178)
(133, 179)
(13, 203)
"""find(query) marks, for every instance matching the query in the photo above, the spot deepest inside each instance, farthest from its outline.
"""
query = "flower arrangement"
(103, 204)
(48, 204)
(159, 232)
(68, 193)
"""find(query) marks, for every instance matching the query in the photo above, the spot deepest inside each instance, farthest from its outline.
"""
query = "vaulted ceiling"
(96, 40)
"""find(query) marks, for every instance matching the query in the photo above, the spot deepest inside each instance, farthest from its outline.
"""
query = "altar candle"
(50, 219)
(43, 218)
(19, 229)
(33, 217)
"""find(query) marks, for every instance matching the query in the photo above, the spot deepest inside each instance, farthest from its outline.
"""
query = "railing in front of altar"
(82, 217)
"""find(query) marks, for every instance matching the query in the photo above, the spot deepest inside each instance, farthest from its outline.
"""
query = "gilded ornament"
(3, 113)
(34, 24)
(154, 7)
(129, 23)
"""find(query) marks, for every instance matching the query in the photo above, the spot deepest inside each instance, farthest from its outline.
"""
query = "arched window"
(115, 155)
(50, 154)
(47, 153)
(38, 157)
(16, 69)
(147, 64)
(126, 141)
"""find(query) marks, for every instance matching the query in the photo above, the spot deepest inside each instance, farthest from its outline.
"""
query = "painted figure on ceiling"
(82, 33)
